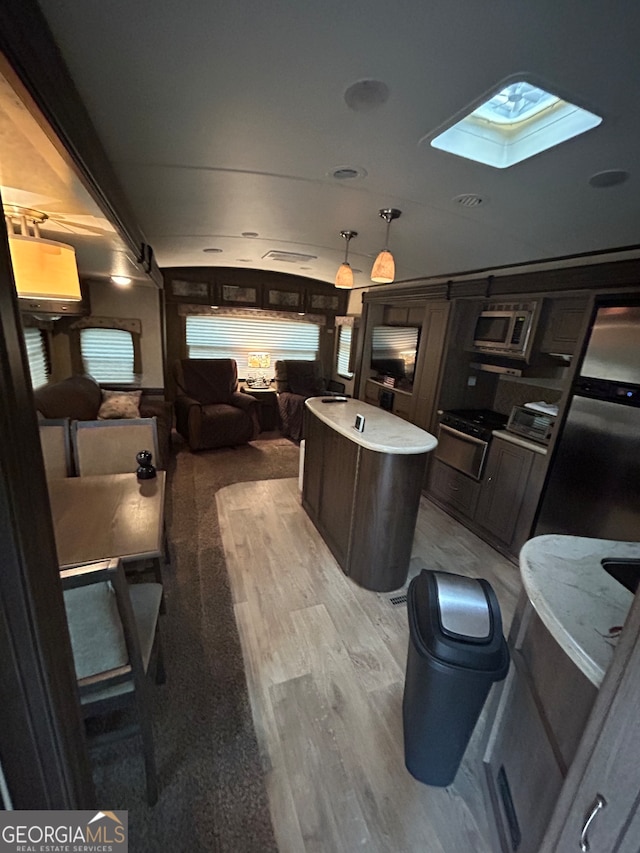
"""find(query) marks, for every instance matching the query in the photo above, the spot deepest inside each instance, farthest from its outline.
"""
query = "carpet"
(212, 795)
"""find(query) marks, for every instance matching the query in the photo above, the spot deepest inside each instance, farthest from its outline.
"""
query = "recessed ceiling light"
(366, 95)
(249, 233)
(608, 178)
(348, 173)
(517, 120)
(468, 200)
(121, 280)
(212, 250)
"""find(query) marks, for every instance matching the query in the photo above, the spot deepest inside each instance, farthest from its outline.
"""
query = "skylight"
(516, 122)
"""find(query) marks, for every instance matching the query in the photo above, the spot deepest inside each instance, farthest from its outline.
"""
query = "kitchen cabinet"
(563, 321)
(329, 470)
(362, 489)
(501, 507)
(606, 764)
(392, 399)
(453, 488)
(539, 721)
(396, 315)
(503, 488)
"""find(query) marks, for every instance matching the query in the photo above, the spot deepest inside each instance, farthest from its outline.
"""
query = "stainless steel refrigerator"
(593, 484)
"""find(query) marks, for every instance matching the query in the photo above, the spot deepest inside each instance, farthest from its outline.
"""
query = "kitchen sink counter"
(580, 604)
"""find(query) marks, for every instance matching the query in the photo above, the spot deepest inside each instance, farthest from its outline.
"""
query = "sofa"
(80, 398)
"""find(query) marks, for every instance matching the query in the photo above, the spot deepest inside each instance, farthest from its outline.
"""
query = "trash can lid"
(456, 620)
(463, 608)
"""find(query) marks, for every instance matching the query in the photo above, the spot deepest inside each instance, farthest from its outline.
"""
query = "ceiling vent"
(468, 200)
(289, 257)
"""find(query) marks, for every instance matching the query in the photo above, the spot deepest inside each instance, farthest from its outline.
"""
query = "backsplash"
(510, 394)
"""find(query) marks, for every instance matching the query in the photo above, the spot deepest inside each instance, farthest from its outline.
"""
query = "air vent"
(289, 257)
(348, 173)
(397, 600)
(468, 200)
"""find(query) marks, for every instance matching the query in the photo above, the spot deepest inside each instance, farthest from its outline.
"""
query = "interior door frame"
(43, 750)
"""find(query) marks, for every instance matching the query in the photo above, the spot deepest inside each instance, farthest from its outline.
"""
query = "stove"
(476, 422)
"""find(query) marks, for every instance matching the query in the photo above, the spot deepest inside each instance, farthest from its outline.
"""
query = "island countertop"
(383, 432)
(576, 599)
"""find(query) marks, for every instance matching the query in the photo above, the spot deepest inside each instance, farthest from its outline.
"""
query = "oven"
(464, 436)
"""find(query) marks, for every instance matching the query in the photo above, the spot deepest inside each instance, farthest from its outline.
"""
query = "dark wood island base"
(362, 490)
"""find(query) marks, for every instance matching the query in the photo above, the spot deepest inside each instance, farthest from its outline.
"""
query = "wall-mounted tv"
(393, 352)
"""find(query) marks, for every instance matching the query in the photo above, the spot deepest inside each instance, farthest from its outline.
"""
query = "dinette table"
(108, 515)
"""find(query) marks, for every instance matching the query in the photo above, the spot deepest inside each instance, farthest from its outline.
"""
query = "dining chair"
(110, 447)
(55, 440)
(113, 627)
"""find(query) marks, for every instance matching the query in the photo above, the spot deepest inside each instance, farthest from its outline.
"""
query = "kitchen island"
(562, 641)
(362, 489)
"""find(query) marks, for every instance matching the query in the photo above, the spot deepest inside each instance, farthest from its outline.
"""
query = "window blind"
(394, 339)
(344, 351)
(236, 337)
(37, 357)
(107, 355)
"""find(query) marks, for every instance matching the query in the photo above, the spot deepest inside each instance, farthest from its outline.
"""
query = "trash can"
(456, 652)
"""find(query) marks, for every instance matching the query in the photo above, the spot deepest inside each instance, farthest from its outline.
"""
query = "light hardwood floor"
(325, 665)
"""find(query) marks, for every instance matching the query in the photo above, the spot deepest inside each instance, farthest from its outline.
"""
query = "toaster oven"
(531, 423)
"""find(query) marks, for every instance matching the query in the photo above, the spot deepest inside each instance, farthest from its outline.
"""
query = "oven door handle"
(463, 435)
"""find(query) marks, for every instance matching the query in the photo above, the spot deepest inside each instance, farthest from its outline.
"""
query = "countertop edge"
(520, 441)
(577, 601)
(406, 439)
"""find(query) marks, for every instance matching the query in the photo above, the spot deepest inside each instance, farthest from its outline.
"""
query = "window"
(236, 337)
(345, 336)
(37, 356)
(517, 121)
(107, 355)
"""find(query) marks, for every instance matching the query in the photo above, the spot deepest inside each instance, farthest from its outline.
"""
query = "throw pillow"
(119, 404)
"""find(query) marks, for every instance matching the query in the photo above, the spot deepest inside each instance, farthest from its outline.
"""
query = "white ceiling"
(228, 117)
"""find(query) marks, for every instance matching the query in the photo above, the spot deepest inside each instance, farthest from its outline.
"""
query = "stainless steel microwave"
(505, 328)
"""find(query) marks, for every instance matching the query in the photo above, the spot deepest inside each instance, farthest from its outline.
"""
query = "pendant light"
(384, 270)
(42, 269)
(344, 276)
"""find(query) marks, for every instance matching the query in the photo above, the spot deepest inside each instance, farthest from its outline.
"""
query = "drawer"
(454, 488)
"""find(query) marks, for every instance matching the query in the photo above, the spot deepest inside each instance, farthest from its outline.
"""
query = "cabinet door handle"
(598, 805)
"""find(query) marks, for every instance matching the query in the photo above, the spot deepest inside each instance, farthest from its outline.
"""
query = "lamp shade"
(384, 268)
(44, 269)
(259, 360)
(344, 276)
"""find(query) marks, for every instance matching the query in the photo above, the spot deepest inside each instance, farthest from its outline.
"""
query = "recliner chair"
(210, 411)
(296, 380)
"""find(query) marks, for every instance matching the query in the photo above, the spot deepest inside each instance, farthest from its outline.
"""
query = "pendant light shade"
(344, 276)
(384, 268)
(42, 269)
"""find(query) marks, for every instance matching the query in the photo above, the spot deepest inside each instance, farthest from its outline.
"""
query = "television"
(393, 353)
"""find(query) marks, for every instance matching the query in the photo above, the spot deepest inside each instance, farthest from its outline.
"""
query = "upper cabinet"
(230, 287)
(563, 321)
(395, 315)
